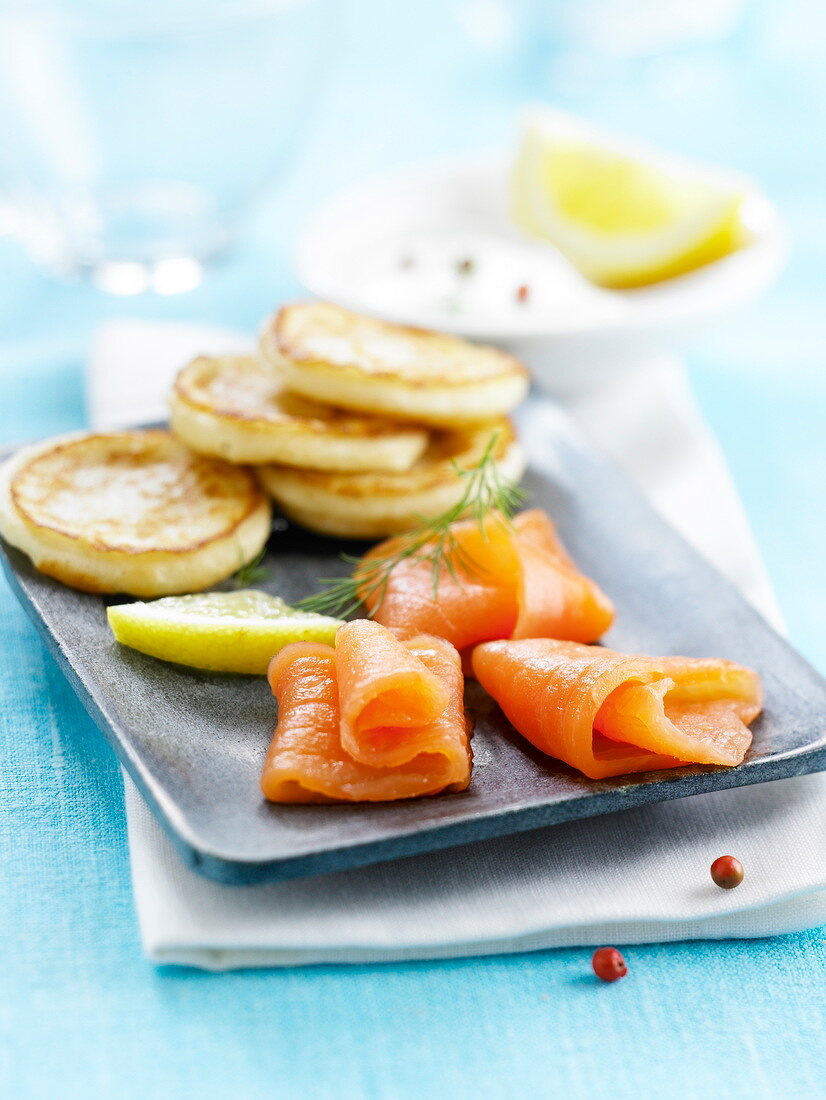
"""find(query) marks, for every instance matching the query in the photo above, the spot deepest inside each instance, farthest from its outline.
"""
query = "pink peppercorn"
(608, 964)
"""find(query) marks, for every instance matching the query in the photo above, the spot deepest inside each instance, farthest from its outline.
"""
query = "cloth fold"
(631, 877)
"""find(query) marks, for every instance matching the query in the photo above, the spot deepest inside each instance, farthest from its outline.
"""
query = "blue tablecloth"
(81, 1013)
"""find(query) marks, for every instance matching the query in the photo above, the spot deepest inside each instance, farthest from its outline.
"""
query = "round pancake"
(131, 512)
(344, 358)
(372, 505)
(236, 407)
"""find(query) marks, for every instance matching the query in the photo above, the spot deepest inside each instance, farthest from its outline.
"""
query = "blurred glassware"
(136, 133)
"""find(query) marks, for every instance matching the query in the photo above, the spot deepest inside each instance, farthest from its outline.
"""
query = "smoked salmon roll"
(500, 580)
(608, 714)
(391, 694)
(400, 705)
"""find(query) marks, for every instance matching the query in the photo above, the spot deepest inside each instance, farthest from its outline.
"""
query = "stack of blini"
(354, 425)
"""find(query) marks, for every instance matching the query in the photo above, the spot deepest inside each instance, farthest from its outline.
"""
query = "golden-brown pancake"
(132, 512)
(346, 359)
(236, 407)
(370, 505)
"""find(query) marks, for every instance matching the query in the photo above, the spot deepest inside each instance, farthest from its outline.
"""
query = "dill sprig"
(250, 572)
(486, 494)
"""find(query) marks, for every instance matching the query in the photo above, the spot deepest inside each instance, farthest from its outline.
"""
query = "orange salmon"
(401, 708)
(507, 581)
(608, 714)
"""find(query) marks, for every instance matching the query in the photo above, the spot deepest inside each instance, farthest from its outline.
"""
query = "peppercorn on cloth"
(632, 877)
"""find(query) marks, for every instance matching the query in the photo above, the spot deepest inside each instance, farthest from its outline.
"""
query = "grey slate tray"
(194, 742)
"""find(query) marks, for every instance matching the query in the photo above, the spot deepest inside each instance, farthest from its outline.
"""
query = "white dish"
(393, 245)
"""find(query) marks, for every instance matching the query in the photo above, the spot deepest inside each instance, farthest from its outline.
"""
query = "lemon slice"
(625, 217)
(218, 631)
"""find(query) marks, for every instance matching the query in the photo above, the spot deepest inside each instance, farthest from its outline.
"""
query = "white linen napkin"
(637, 876)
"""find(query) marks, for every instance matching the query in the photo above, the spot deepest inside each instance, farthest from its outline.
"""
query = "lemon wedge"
(624, 216)
(218, 631)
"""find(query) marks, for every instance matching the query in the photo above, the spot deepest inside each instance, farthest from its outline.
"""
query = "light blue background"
(81, 1013)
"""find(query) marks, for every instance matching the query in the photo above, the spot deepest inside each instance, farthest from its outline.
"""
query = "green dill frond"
(250, 572)
(487, 493)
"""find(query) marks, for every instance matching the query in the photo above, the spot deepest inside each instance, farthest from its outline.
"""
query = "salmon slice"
(306, 761)
(474, 602)
(388, 697)
(608, 714)
(504, 580)
(555, 600)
